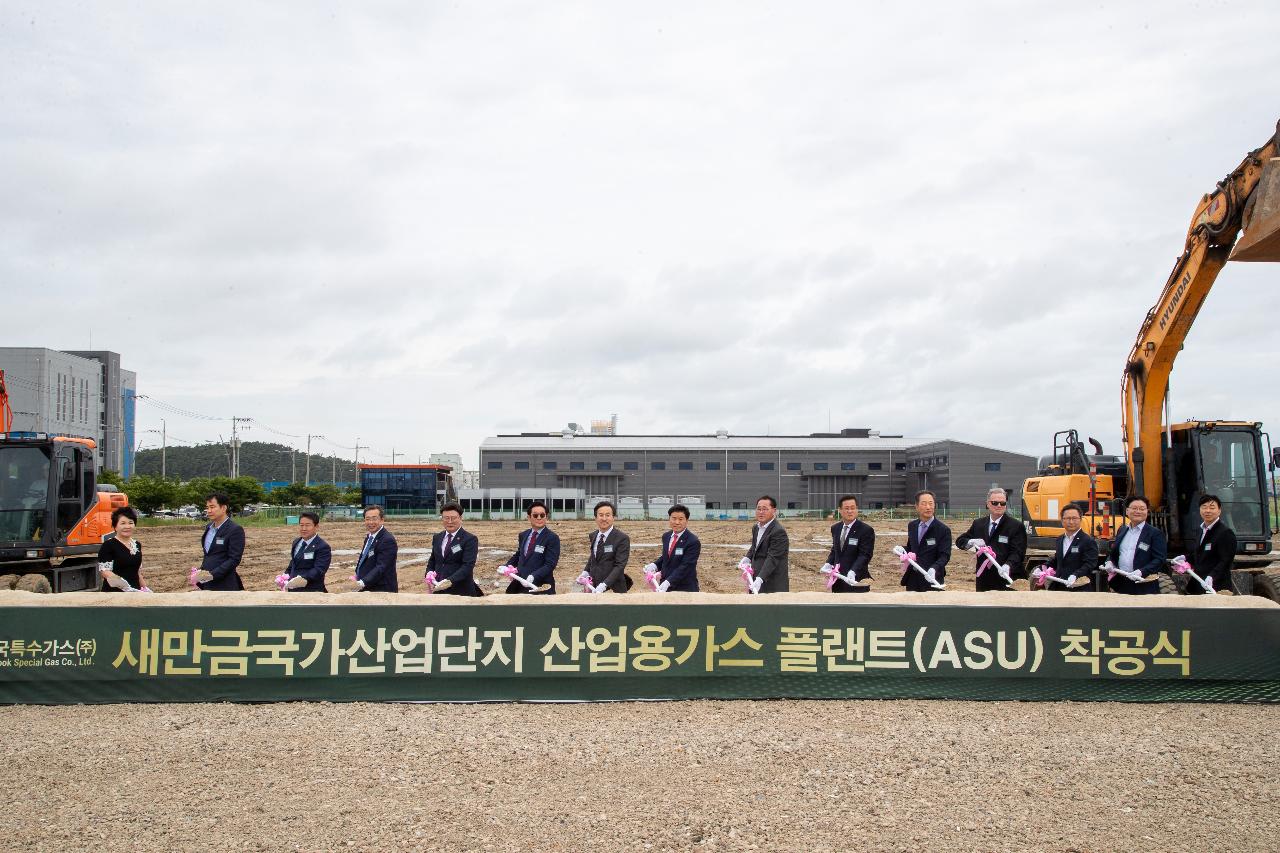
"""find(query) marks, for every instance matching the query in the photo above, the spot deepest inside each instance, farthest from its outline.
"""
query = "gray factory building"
(807, 472)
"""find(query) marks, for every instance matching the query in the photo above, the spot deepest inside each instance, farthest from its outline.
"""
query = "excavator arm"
(1248, 198)
(6, 413)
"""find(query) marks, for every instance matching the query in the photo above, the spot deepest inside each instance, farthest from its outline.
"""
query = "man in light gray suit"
(769, 548)
(610, 550)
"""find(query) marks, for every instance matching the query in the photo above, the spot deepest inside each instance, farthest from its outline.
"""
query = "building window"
(604, 466)
(847, 466)
(631, 466)
(819, 466)
(686, 466)
(577, 466)
(657, 466)
(713, 504)
(793, 466)
(522, 466)
(713, 466)
(897, 466)
(792, 505)
(876, 466)
(766, 466)
(740, 504)
(495, 466)
(991, 466)
(739, 466)
(879, 505)
(548, 466)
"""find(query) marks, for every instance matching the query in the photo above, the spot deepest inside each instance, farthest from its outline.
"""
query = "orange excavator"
(1173, 464)
(53, 513)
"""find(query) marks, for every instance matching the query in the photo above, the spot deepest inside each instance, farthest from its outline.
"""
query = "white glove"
(598, 589)
(650, 568)
(203, 576)
(826, 568)
(744, 563)
(664, 586)
(527, 583)
(296, 583)
(116, 582)
(975, 544)
(359, 585)
(755, 586)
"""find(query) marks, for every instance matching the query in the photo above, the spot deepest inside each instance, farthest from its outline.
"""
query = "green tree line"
(263, 461)
(148, 493)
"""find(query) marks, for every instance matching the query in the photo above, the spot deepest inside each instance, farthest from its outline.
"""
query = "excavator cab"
(1224, 459)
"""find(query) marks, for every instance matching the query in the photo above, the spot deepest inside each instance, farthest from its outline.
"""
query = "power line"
(186, 413)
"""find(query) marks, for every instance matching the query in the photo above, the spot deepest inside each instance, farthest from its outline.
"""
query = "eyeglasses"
(537, 515)
(998, 503)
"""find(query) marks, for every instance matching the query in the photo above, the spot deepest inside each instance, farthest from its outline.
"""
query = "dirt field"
(169, 552)
(744, 775)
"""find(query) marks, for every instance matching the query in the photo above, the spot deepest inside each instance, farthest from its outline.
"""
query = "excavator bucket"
(1261, 238)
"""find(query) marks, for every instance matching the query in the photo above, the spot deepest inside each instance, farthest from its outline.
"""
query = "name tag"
(309, 555)
(1143, 546)
(1075, 549)
(853, 541)
(679, 552)
(538, 549)
(219, 541)
(1003, 540)
(456, 549)
(931, 542)
(1208, 546)
(608, 549)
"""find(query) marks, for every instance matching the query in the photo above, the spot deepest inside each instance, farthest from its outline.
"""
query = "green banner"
(57, 655)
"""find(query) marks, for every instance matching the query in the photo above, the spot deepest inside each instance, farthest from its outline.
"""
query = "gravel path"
(779, 775)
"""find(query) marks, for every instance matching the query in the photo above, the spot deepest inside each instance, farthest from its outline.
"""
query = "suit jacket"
(1009, 541)
(1148, 559)
(1081, 560)
(933, 553)
(540, 563)
(376, 566)
(458, 565)
(311, 563)
(681, 568)
(1213, 558)
(769, 557)
(223, 557)
(855, 555)
(609, 562)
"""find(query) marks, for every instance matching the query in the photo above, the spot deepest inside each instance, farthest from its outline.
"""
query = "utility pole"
(359, 447)
(308, 475)
(235, 444)
(393, 456)
(164, 446)
(334, 458)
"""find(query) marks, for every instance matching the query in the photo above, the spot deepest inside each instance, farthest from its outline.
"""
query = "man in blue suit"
(536, 556)
(376, 565)
(223, 544)
(309, 557)
(930, 540)
(677, 565)
(453, 555)
(1139, 552)
(852, 541)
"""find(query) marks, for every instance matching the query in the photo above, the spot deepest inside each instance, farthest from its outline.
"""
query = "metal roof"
(700, 443)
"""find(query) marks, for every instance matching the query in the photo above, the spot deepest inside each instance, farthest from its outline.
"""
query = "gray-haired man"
(1004, 535)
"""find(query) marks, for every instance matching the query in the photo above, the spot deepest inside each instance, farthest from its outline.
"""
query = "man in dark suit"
(1139, 552)
(1004, 535)
(610, 549)
(770, 548)
(537, 553)
(852, 541)
(376, 565)
(930, 540)
(223, 544)
(677, 565)
(309, 557)
(1214, 556)
(453, 556)
(1075, 555)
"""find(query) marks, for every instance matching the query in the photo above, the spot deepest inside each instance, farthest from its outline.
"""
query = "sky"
(411, 226)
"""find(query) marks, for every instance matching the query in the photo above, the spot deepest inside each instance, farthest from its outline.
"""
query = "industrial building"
(406, 488)
(730, 472)
(83, 393)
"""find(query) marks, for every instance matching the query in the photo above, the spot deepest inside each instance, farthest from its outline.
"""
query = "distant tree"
(147, 493)
(325, 494)
(106, 475)
(352, 497)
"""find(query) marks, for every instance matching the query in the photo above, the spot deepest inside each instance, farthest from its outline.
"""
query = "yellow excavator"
(1173, 464)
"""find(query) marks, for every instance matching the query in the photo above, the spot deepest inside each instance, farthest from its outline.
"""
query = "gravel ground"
(779, 775)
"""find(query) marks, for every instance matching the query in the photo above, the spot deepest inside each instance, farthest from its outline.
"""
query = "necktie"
(368, 540)
(991, 530)
(844, 536)
(302, 543)
(448, 538)
(671, 548)
(599, 539)
(528, 548)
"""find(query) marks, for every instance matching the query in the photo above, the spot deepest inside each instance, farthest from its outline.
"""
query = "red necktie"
(528, 548)
(672, 547)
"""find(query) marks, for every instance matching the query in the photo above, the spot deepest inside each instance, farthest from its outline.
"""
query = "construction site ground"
(715, 775)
